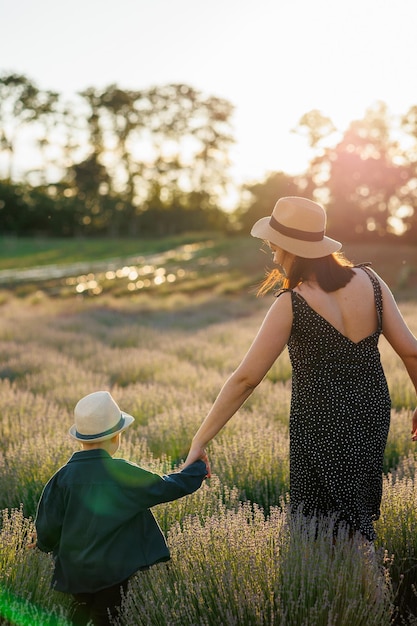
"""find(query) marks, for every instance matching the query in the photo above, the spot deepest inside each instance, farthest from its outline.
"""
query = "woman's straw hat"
(98, 417)
(297, 225)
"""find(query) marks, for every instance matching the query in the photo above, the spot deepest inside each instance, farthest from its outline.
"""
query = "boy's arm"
(48, 521)
(172, 486)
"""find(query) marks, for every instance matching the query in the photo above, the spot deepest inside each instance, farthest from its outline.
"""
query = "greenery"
(155, 162)
(196, 262)
(237, 557)
(26, 252)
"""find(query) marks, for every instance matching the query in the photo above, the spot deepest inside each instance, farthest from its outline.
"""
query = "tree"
(186, 137)
(315, 127)
(408, 206)
(368, 171)
(91, 181)
(167, 140)
(264, 196)
(362, 178)
(47, 117)
(21, 103)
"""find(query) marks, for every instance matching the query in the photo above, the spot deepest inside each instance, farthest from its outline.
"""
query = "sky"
(274, 60)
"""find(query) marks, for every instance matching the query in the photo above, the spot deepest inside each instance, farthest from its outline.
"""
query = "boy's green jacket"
(94, 517)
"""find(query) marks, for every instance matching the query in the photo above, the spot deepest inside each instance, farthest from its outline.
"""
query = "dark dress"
(339, 420)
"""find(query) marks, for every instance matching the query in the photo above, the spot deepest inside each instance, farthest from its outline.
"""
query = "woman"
(330, 314)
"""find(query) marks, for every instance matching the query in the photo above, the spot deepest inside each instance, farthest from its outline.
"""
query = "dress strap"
(377, 291)
(281, 291)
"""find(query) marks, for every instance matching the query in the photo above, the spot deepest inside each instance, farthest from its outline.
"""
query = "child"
(94, 514)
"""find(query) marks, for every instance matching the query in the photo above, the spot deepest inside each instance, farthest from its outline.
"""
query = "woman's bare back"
(351, 309)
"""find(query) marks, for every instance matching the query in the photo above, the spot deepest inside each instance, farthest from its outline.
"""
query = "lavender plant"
(237, 558)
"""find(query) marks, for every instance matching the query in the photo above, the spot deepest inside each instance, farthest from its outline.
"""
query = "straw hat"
(98, 417)
(297, 225)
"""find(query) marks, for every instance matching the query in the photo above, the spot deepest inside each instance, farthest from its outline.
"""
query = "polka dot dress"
(339, 419)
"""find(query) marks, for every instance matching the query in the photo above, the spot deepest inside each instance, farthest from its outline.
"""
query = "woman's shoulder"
(366, 269)
(367, 273)
(283, 299)
(282, 304)
(283, 291)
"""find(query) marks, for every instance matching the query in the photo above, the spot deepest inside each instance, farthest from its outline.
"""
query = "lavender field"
(237, 557)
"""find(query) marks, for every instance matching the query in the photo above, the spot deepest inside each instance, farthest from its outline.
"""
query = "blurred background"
(149, 118)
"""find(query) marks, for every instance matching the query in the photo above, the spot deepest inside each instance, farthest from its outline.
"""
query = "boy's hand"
(32, 541)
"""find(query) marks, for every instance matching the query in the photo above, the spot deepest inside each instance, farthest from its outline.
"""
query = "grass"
(22, 252)
(187, 264)
(237, 557)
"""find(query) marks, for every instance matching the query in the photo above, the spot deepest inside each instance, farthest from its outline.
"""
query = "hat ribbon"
(111, 430)
(295, 233)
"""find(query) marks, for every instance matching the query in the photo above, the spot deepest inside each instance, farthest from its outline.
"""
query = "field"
(164, 346)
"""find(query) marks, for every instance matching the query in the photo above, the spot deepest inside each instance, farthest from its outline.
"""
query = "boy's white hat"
(98, 417)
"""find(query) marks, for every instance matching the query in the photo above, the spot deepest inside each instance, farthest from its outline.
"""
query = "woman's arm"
(265, 349)
(402, 340)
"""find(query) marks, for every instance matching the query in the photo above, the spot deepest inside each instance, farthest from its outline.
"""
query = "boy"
(94, 516)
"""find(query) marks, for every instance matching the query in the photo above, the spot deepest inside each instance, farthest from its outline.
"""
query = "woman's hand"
(414, 426)
(197, 452)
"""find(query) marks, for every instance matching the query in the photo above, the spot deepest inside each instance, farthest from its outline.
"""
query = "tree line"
(153, 162)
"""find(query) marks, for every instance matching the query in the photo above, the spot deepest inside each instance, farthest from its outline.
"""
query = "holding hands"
(414, 426)
(198, 452)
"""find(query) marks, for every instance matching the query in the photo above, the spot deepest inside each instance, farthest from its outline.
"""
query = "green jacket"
(94, 516)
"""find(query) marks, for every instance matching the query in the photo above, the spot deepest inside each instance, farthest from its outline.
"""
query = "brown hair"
(331, 273)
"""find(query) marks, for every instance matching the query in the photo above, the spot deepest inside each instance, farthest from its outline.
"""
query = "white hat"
(297, 225)
(98, 417)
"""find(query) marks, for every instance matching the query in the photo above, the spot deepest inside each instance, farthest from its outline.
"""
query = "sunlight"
(165, 268)
(334, 63)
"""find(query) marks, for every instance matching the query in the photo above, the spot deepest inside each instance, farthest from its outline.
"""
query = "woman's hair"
(331, 273)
